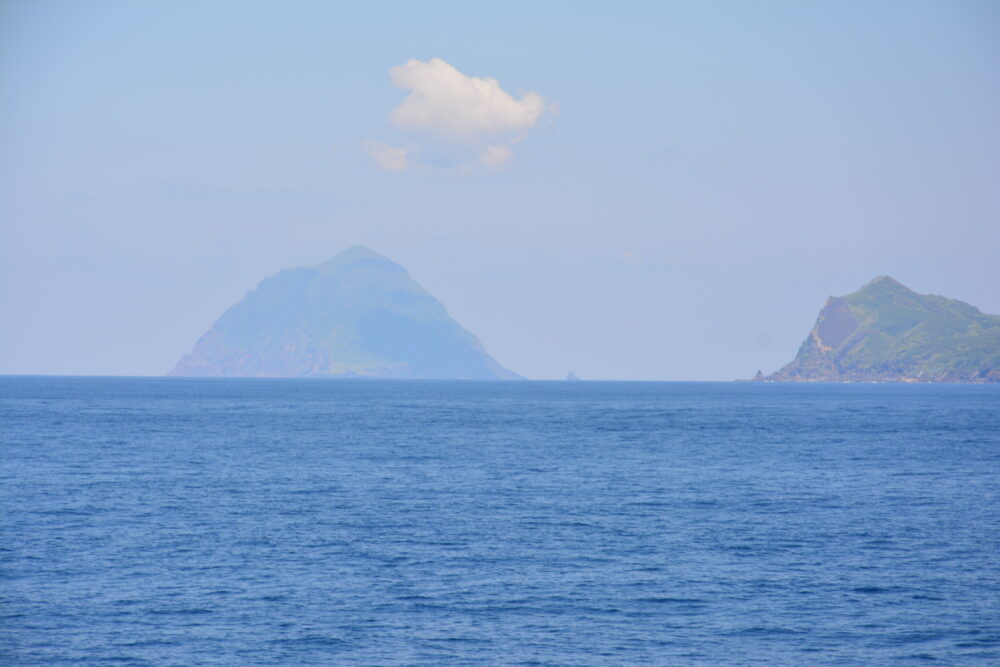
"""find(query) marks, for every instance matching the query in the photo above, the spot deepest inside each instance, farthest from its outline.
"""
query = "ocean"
(156, 521)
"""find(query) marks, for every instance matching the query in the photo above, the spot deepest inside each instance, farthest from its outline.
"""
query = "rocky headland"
(886, 332)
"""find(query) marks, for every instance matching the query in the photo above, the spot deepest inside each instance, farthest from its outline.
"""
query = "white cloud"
(494, 156)
(467, 122)
(447, 103)
(388, 157)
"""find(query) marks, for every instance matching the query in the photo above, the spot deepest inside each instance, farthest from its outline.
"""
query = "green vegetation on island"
(355, 315)
(886, 332)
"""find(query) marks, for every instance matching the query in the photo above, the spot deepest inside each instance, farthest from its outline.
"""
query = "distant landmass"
(889, 333)
(357, 315)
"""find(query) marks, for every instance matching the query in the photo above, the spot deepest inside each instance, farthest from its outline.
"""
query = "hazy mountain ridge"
(887, 332)
(357, 314)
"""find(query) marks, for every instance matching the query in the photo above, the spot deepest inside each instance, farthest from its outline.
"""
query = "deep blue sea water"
(288, 522)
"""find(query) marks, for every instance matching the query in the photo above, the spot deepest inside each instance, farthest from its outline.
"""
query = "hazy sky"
(626, 190)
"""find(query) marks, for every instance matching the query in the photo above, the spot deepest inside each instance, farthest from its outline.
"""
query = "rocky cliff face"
(355, 315)
(886, 332)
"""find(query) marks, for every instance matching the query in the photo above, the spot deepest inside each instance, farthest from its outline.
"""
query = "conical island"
(886, 332)
(357, 315)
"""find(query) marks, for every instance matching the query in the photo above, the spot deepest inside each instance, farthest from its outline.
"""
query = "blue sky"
(699, 177)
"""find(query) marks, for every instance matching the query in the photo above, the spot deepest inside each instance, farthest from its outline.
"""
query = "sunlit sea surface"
(297, 522)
